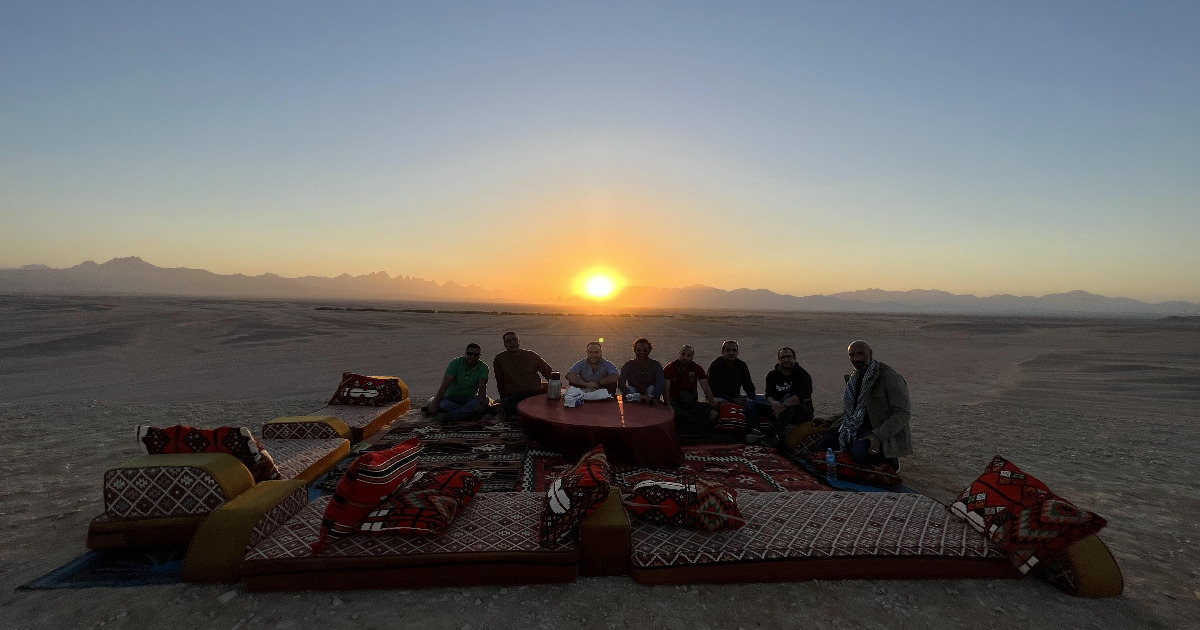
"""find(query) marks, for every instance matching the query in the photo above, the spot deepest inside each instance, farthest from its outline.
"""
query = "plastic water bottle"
(830, 465)
(554, 387)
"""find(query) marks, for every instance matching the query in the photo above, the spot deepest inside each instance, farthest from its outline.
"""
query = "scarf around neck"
(855, 407)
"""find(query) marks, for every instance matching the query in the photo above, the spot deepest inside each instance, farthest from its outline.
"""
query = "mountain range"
(133, 275)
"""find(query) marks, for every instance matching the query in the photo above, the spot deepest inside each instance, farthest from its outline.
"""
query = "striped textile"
(369, 481)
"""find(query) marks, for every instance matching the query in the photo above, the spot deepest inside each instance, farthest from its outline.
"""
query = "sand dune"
(1104, 411)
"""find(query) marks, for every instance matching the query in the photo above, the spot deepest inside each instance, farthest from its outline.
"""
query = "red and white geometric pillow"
(685, 502)
(1040, 532)
(575, 494)
(731, 418)
(426, 506)
(1023, 516)
(369, 481)
(235, 441)
(375, 391)
(1002, 487)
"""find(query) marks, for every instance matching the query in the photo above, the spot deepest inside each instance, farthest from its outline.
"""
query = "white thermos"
(554, 387)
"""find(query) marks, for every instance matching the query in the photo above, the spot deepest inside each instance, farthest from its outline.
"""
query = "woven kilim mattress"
(494, 541)
(365, 420)
(306, 459)
(793, 536)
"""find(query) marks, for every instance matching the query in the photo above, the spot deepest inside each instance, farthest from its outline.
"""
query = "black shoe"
(770, 440)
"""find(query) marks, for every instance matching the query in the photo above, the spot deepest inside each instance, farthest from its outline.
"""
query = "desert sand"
(1104, 411)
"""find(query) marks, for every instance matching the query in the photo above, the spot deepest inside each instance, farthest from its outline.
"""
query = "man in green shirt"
(464, 386)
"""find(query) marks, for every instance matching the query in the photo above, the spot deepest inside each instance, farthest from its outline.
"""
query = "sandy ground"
(1103, 411)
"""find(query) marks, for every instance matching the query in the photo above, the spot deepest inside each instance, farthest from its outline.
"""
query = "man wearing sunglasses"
(463, 391)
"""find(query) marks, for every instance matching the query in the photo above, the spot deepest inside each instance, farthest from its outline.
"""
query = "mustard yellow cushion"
(216, 551)
(604, 545)
(1086, 569)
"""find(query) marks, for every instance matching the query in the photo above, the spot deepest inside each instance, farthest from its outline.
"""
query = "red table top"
(636, 433)
(596, 413)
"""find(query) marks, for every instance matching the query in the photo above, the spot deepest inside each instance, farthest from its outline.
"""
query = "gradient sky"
(1012, 147)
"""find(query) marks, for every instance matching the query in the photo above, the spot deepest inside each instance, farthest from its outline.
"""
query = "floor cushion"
(306, 459)
(216, 551)
(236, 441)
(162, 499)
(365, 421)
(1001, 487)
(306, 428)
(801, 535)
(574, 494)
(369, 481)
(494, 541)
(1086, 569)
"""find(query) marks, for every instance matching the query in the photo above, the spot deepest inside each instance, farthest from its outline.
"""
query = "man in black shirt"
(728, 376)
(789, 392)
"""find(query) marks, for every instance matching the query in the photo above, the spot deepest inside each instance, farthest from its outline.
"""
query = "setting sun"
(598, 283)
(599, 287)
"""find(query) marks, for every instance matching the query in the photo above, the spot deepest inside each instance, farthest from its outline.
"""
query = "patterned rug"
(494, 448)
(509, 462)
(116, 567)
(739, 466)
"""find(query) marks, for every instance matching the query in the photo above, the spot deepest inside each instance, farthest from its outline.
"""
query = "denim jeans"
(458, 407)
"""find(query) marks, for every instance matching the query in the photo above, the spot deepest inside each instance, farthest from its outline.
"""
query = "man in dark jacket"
(874, 428)
(789, 393)
(728, 376)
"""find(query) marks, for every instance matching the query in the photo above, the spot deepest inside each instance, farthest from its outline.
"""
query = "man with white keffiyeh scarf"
(874, 426)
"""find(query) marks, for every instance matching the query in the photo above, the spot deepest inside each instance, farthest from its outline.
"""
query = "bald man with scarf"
(874, 427)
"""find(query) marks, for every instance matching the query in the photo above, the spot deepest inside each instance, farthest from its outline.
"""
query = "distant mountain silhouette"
(133, 275)
(1075, 303)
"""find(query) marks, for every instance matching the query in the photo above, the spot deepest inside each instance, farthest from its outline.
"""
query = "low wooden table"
(639, 434)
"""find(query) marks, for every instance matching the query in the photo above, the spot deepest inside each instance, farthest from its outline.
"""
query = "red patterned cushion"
(1042, 531)
(731, 418)
(575, 494)
(369, 481)
(685, 502)
(377, 391)
(847, 468)
(1002, 487)
(236, 441)
(426, 506)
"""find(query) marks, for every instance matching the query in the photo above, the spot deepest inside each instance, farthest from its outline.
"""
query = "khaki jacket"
(888, 411)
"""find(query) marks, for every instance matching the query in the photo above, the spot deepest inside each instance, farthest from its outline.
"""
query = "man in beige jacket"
(874, 427)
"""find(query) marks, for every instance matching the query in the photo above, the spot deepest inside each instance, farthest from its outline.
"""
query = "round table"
(635, 433)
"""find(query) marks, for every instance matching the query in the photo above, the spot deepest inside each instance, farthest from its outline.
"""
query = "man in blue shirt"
(595, 371)
(464, 387)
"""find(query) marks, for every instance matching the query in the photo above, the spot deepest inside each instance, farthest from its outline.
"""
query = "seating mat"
(293, 457)
(808, 526)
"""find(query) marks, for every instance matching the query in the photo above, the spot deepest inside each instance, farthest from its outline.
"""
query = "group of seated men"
(873, 426)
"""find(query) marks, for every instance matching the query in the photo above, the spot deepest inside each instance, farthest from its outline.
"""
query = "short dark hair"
(474, 345)
(788, 349)
(729, 341)
(642, 340)
(507, 334)
(595, 343)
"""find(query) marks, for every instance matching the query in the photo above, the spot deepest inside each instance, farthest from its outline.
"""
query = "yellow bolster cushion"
(216, 551)
(341, 428)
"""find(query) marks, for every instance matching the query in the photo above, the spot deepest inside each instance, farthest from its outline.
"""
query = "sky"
(806, 148)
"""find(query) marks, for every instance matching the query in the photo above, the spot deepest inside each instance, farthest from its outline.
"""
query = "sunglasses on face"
(472, 354)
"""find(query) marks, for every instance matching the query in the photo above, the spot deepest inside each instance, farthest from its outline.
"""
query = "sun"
(598, 283)
(599, 287)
